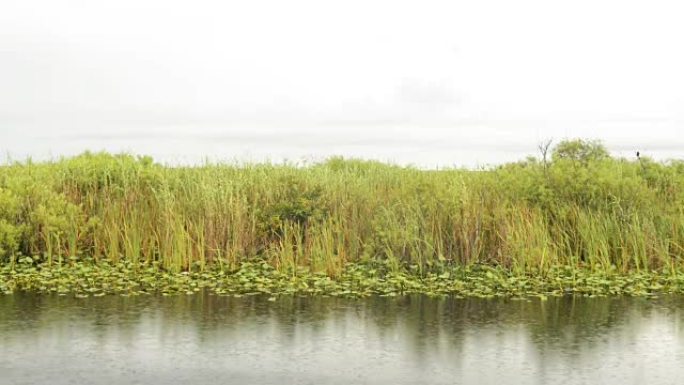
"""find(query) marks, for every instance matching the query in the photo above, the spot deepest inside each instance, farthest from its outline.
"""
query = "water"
(205, 339)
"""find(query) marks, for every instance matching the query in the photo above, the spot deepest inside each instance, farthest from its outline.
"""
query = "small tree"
(544, 150)
(580, 150)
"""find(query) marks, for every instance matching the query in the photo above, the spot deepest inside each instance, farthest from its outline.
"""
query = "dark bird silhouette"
(638, 155)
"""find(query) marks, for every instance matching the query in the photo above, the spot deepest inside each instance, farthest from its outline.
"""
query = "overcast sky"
(425, 82)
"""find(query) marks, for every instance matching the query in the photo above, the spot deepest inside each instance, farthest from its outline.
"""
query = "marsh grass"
(582, 210)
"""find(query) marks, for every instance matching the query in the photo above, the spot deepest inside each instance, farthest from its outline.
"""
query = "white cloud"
(529, 68)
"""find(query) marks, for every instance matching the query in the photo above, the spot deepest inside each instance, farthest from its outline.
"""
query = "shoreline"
(576, 222)
(357, 280)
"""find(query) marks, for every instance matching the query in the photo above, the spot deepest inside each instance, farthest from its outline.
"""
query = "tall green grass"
(582, 208)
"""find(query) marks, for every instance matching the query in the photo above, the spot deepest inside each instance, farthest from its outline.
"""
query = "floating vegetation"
(84, 279)
(579, 222)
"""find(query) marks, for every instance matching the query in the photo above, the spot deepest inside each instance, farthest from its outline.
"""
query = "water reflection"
(210, 339)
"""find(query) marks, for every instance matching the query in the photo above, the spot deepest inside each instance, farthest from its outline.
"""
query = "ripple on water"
(206, 339)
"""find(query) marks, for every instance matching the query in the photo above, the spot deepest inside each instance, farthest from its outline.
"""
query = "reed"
(583, 209)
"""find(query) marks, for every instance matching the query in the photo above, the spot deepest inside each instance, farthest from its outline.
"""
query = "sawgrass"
(581, 210)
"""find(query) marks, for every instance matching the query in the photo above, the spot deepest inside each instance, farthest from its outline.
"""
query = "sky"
(431, 83)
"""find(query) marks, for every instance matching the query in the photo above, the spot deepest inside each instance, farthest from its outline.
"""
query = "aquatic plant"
(582, 211)
(258, 277)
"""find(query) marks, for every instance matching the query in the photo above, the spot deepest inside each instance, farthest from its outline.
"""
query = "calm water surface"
(205, 339)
